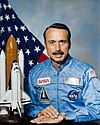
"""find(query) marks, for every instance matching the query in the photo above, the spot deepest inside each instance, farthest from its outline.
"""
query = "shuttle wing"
(25, 98)
(6, 100)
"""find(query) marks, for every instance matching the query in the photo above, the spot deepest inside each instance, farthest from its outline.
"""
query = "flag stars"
(13, 16)
(37, 49)
(11, 24)
(1, 18)
(5, 7)
(23, 28)
(9, 29)
(18, 41)
(7, 17)
(26, 38)
(9, 6)
(16, 28)
(0, 5)
(27, 51)
(33, 39)
(31, 62)
(3, 43)
(2, 29)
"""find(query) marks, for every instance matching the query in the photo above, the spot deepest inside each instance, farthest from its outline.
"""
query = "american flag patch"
(92, 74)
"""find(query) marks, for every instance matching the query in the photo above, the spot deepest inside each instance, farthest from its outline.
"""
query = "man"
(63, 87)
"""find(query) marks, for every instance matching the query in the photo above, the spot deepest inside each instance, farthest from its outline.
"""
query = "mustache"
(60, 52)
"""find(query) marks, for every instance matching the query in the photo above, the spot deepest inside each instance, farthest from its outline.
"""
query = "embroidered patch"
(73, 81)
(92, 74)
(73, 95)
(43, 81)
(44, 95)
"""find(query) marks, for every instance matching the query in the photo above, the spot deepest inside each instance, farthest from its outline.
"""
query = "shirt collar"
(66, 62)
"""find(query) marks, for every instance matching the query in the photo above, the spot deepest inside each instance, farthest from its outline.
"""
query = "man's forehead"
(56, 32)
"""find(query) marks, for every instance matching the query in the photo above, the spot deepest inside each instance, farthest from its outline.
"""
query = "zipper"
(58, 89)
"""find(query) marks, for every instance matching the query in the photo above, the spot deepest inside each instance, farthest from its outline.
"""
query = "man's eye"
(51, 42)
(63, 41)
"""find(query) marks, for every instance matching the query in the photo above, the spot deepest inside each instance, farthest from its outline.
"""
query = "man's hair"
(58, 26)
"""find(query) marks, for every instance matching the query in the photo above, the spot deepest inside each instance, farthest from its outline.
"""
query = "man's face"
(57, 44)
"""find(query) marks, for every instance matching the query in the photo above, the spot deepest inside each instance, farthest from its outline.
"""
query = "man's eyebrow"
(63, 40)
(51, 41)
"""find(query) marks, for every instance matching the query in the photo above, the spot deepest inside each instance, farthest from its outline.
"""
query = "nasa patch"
(73, 95)
(43, 81)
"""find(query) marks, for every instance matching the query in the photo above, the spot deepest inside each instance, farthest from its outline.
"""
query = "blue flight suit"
(73, 89)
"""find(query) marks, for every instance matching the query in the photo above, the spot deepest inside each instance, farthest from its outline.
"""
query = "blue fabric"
(73, 89)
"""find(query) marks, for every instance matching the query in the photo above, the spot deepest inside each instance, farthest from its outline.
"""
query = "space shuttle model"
(12, 77)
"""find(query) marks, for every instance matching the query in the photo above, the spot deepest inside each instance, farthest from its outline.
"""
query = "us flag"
(10, 24)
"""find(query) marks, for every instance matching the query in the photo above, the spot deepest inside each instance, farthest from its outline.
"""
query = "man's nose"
(58, 48)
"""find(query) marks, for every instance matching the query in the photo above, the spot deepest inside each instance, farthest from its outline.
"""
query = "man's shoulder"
(81, 64)
(41, 65)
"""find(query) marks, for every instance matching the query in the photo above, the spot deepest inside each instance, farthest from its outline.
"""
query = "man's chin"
(58, 61)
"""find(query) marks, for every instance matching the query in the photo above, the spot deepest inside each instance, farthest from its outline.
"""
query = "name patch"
(73, 81)
(43, 81)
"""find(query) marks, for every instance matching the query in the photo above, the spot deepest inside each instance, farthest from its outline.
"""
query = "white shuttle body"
(16, 97)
